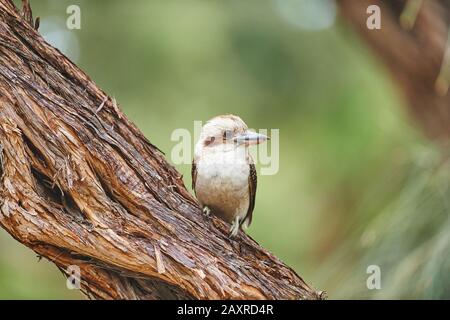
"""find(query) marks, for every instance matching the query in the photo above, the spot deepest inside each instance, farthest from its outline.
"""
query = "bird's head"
(231, 130)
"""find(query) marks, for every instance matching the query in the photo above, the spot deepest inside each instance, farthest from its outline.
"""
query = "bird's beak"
(250, 138)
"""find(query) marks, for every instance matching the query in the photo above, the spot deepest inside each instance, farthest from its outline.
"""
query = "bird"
(224, 177)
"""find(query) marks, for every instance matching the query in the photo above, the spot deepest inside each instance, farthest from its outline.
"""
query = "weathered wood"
(81, 185)
(414, 53)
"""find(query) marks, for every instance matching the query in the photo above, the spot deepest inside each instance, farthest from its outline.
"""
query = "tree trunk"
(80, 185)
(414, 44)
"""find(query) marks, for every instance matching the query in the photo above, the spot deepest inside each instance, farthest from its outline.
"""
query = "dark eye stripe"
(209, 141)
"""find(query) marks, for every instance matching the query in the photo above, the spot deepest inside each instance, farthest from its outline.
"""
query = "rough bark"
(414, 49)
(80, 185)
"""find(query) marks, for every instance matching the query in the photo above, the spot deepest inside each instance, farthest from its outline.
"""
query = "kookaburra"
(223, 173)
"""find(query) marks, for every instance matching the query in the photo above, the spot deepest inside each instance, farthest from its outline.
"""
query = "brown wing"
(252, 184)
(194, 175)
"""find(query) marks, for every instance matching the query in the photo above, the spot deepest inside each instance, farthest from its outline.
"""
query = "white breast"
(222, 181)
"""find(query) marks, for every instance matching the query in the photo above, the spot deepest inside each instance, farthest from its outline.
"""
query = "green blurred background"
(358, 184)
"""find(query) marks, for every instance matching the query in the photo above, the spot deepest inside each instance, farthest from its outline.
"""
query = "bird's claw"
(206, 211)
(234, 228)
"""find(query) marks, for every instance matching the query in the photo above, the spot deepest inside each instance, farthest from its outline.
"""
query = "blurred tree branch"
(412, 42)
(81, 185)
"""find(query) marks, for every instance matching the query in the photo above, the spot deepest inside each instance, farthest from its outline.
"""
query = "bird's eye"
(227, 134)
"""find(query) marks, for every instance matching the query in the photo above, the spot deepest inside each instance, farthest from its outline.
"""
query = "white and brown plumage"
(223, 173)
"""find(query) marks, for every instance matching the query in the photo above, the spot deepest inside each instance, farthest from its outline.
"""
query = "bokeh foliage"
(358, 185)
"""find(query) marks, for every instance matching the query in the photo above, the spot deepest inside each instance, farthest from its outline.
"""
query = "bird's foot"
(206, 211)
(235, 226)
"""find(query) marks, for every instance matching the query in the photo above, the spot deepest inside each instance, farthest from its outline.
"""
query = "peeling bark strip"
(81, 185)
